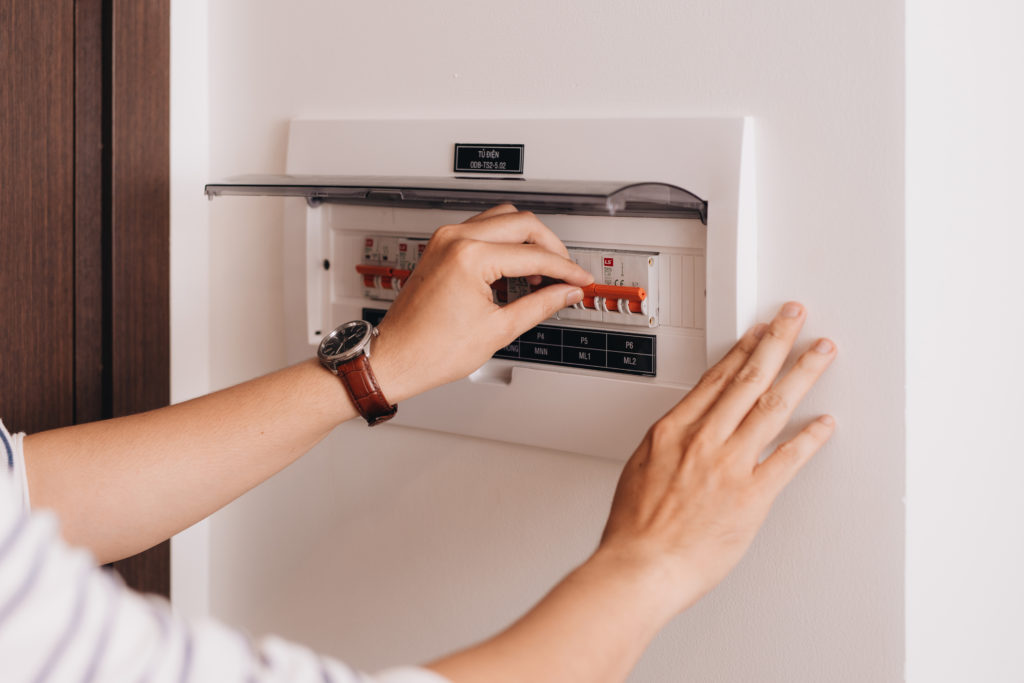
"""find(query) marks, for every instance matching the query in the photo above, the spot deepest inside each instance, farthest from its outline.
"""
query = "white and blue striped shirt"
(62, 618)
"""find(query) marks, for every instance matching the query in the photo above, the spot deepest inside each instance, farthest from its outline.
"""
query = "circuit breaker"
(624, 293)
(387, 262)
(672, 250)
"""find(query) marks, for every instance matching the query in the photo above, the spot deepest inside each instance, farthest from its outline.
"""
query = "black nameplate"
(489, 158)
(633, 354)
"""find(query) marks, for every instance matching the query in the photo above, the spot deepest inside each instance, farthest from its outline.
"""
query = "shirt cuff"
(14, 461)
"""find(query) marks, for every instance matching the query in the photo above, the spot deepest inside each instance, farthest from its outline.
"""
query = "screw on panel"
(327, 264)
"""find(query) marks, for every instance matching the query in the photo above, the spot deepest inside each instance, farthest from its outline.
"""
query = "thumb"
(527, 311)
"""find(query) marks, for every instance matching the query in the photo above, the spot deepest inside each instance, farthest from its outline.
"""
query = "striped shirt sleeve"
(64, 619)
(12, 453)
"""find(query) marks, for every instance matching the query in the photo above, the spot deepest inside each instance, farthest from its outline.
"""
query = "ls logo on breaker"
(609, 262)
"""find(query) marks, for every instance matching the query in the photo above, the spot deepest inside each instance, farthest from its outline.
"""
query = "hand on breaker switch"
(444, 324)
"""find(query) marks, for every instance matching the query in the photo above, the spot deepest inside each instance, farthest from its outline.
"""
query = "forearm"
(591, 628)
(122, 485)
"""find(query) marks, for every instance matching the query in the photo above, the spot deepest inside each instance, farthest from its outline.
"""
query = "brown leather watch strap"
(358, 378)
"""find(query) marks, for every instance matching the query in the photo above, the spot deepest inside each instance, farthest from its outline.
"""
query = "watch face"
(346, 339)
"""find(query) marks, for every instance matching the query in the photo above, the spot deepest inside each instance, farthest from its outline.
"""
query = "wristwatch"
(346, 353)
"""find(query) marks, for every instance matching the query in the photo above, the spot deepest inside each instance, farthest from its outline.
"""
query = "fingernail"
(791, 310)
(827, 420)
(759, 330)
(824, 346)
(574, 296)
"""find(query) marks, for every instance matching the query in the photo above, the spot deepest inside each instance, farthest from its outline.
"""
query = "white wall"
(190, 263)
(396, 545)
(965, 237)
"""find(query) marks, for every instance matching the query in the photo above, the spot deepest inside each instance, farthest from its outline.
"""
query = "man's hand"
(445, 324)
(695, 492)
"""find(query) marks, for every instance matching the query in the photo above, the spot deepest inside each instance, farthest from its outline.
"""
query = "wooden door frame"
(122, 224)
(138, 207)
(85, 219)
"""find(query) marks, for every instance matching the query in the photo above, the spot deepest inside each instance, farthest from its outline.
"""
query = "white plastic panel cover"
(697, 277)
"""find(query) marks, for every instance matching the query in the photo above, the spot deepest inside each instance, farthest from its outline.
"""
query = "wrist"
(664, 583)
(390, 368)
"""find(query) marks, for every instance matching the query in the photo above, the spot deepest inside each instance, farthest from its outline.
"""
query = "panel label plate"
(473, 158)
(625, 352)
(633, 354)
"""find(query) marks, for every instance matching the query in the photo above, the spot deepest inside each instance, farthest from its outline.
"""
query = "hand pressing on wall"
(688, 504)
(445, 324)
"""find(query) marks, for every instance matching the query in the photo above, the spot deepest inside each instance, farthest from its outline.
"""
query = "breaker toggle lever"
(606, 298)
(383, 277)
(614, 298)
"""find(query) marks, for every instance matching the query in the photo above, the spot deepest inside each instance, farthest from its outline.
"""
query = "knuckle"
(772, 401)
(748, 344)
(808, 362)
(776, 331)
(749, 374)
(464, 251)
(701, 441)
(660, 433)
(714, 376)
(446, 233)
(788, 449)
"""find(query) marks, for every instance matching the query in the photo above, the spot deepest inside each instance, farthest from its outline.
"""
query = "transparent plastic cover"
(580, 197)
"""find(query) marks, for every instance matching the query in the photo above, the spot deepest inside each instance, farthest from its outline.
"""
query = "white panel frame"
(714, 158)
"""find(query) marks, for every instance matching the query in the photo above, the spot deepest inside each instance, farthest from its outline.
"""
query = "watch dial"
(343, 339)
(351, 336)
(331, 345)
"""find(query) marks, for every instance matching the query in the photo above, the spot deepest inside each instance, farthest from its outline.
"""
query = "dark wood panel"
(91, 243)
(149, 571)
(36, 218)
(140, 232)
(141, 206)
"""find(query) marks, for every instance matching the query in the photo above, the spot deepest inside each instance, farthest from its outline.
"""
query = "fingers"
(716, 379)
(522, 260)
(758, 373)
(527, 311)
(493, 211)
(783, 464)
(515, 227)
(775, 406)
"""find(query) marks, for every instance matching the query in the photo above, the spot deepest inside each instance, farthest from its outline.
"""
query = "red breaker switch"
(390, 278)
(387, 264)
(625, 289)
(607, 298)
(613, 298)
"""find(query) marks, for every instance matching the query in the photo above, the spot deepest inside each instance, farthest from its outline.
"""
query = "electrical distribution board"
(673, 259)
(624, 293)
